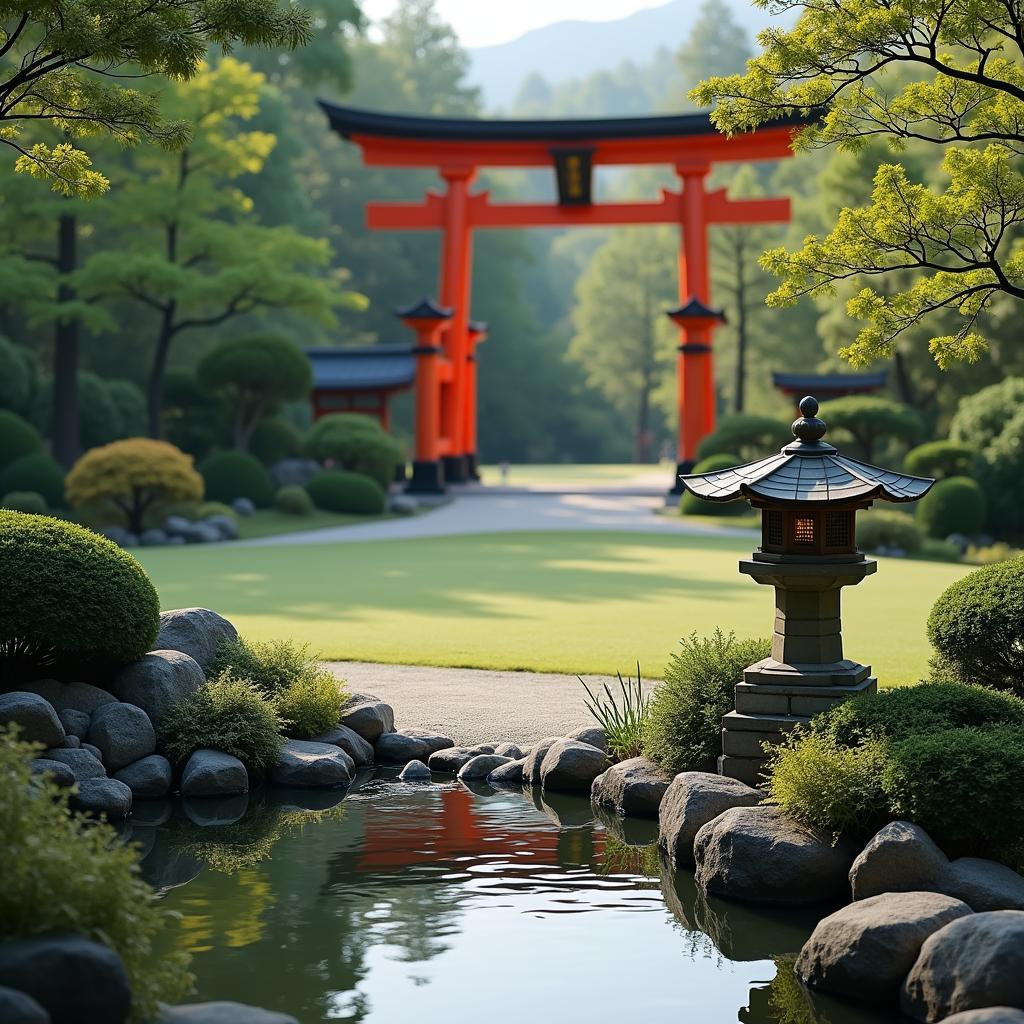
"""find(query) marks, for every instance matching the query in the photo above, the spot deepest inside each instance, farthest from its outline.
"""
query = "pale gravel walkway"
(505, 513)
(476, 705)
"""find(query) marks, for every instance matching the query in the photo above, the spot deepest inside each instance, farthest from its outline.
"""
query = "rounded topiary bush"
(72, 603)
(356, 443)
(942, 459)
(293, 500)
(17, 438)
(749, 434)
(36, 472)
(878, 528)
(956, 505)
(274, 440)
(691, 505)
(683, 730)
(977, 626)
(25, 501)
(351, 493)
(231, 475)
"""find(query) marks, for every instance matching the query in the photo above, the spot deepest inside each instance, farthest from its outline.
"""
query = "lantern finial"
(809, 428)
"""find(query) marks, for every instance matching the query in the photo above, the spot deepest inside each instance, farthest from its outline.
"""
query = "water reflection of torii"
(446, 419)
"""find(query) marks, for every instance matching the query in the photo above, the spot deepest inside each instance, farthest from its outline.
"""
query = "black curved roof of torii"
(349, 121)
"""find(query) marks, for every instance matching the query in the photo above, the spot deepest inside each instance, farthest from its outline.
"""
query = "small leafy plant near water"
(623, 723)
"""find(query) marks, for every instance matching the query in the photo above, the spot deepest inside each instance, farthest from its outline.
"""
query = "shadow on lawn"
(445, 577)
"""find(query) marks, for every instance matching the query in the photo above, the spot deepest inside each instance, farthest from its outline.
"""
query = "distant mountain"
(573, 49)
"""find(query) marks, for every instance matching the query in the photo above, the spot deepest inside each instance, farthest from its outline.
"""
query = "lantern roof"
(425, 309)
(808, 471)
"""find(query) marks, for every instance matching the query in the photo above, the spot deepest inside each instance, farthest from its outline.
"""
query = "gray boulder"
(484, 748)
(76, 723)
(399, 748)
(594, 735)
(294, 471)
(370, 718)
(204, 533)
(81, 762)
(214, 773)
(990, 1015)
(351, 742)
(690, 802)
(157, 681)
(244, 506)
(153, 538)
(972, 963)
(570, 766)
(74, 980)
(403, 505)
(197, 632)
(507, 750)
(415, 771)
(82, 697)
(312, 765)
(119, 535)
(70, 743)
(58, 772)
(148, 778)
(865, 950)
(35, 717)
(758, 855)
(225, 525)
(535, 759)
(510, 774)
(221, 1013)
(123, 733)
(91, 748)
(902, 857)
(635, 787)
(451, 759)
(433, 740)
(106, 797)
(18, 1008)
(481, 766)
(208, 812)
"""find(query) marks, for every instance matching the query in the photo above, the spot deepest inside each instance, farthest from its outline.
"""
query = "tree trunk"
(903, 382)
(155, 387)
(66, 441)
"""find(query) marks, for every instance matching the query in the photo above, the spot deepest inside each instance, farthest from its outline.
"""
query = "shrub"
(942, 459)
(977, 625)
(623, 725)
(229, 714)
(273, 665)
(954, 505)
(749, 435)
(872, 421)
(17, 438)
(691, 505)
(1001, 477)
(231, 475)
(684, 723)
(107, 410)
(38, 473)
(133, 476)
(880, 528)
(352, 493)
(355, 443)
(310, 704)
(274, 440)
(63, 873)
(70, 600)
(981, 417)
(293, 500)
(18, 381)
(30, 502)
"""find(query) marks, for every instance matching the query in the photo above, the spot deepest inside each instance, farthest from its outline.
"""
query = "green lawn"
(582, 473)
(566, 602)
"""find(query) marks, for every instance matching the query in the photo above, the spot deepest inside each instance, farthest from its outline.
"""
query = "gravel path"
(475, 705)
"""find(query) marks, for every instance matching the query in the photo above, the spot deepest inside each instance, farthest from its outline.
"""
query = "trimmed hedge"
(879, 528)
(977, 626)
(955, 505)
(751, 435)
(17, 438)
(942, 459)
(72, 603)
(37, 472)
(274, 440)
(231, 475)
(25, 501)
(355, 443)
(293, 500)
(691, 505)
(351, 493)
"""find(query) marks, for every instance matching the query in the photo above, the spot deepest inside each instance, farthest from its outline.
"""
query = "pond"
(421, 901)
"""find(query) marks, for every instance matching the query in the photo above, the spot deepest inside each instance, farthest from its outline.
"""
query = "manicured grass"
(563, 602)
(268, 522)
(607, 473)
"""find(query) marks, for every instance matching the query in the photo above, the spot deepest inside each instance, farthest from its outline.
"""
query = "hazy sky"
(482, 22)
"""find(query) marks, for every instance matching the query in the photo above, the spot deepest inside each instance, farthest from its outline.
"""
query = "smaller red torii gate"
(446, 383)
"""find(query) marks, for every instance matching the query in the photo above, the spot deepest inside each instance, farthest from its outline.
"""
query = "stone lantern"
(809, 495)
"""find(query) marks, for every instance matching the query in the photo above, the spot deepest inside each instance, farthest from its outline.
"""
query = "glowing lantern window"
(803, 530)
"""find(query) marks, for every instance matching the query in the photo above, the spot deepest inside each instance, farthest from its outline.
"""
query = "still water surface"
(432, 902)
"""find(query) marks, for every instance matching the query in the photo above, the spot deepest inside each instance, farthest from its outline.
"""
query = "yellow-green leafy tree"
(944, 72)
(133, 475)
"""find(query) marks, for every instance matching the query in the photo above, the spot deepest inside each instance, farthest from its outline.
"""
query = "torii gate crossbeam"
(457, 149)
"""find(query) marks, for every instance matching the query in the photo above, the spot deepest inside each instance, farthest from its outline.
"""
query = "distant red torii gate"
(457, 149)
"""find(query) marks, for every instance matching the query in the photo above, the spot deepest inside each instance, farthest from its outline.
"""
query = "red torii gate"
(457, 149)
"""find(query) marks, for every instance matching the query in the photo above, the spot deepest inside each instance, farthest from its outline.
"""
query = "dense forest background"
(578, 344)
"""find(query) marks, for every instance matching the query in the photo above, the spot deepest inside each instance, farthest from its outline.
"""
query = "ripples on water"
(419, 902)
